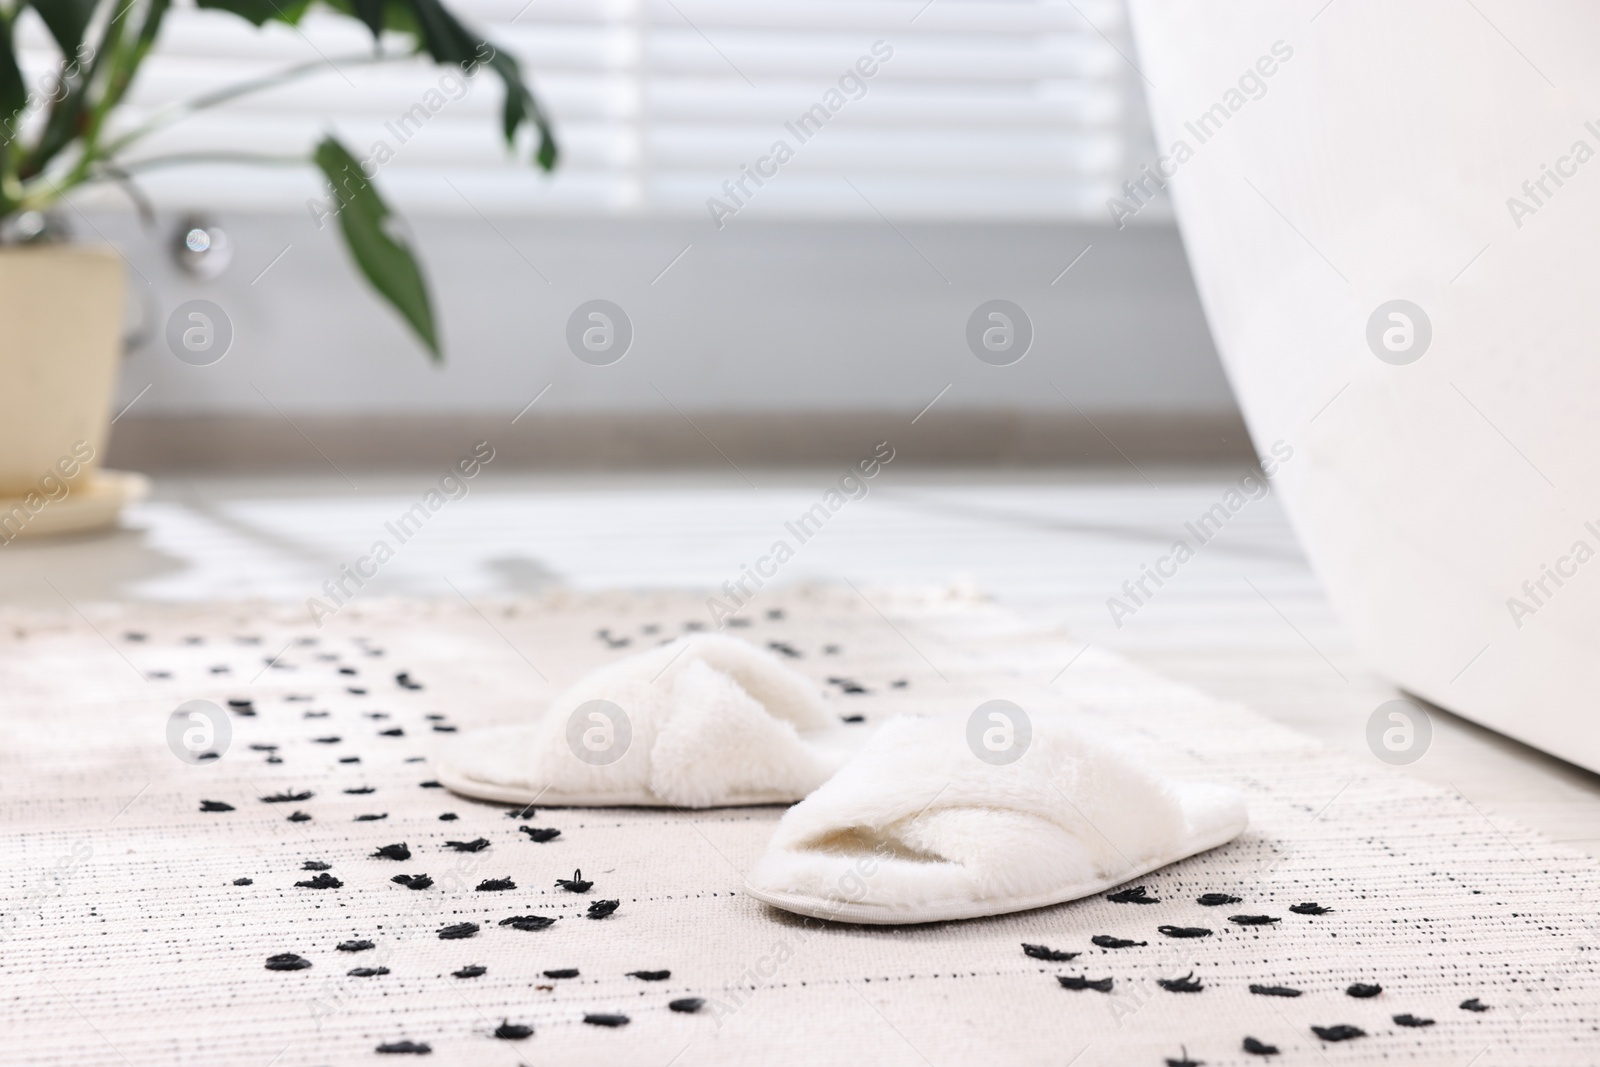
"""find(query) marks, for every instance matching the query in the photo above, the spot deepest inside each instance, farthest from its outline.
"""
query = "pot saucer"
(93, 504)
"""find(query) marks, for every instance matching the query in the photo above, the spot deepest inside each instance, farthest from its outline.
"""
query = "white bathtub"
(1442, 500)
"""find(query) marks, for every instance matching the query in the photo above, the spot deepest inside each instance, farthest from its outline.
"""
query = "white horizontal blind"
(1004, 109)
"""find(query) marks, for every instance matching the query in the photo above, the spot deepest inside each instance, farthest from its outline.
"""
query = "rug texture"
(310, 896)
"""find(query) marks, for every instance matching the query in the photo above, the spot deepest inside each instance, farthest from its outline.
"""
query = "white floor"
(1245, 619)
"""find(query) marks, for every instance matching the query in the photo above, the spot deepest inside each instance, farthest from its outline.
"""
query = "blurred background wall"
(790, 321)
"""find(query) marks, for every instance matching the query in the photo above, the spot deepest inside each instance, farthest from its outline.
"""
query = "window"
(973, 110)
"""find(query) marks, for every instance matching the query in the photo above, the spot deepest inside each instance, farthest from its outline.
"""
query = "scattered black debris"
(1042, 952)
(393, 852)
(376, 716)
(204, 756)
(1259, 1048)
(1309, 908)
(416, 1048)
(244, 881)
(222, 668)
(1213, 900)
(1072, 981)
(373, 817)
(355, 690)
(441, 728)
(529, 922)
(605, 1020)
(321, 881)
(575, 884)
(899, 683)
(215, 805)
(434, 716)
(316, 865)
(1187, 984)
(541, 835)
(564, 972)
(1137, 895)
(1342, 1032)
(496, 885)
(405, 681)
(367, 972)
(601, 908)
(650, 976)
(471, 971)
(1273, 990)
(430, 785)
(263, 748)
(288, 798)
(349, 759)
(412, 881)
(133, 635)
(613, 641)
(393, 731)
(1184, 931)
(331, 739)
(274, 758)
(1107, 941)
(784, 648)
(1253, 920)
(360, 790)
(287, 961)
(449, 816)
(687, 1005)
(316, 714)
(852, 718)
(1408, 1019)
(1362, 990)
(245, 708)
(775, 613)
(161, 674)
(522, 813)
(299, 816)
(348, 670)
(510, 1031)
(1474, 1004)
(477, 844)
(355, 946)
(1183, 1060)
(457, 931)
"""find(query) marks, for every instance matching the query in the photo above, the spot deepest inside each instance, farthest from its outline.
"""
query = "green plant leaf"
(448, 41)
(370, 12)
(67, 21)
(367, 225)
(13, 93)
(261, 11)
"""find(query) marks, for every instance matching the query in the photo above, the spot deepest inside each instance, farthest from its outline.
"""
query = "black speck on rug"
(287, 961)
(414, 1048)
(321, 881)
(1044, 952)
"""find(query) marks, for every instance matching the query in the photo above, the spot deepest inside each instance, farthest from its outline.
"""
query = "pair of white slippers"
(919, 820)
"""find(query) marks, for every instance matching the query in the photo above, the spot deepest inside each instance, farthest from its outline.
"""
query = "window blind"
(1009, 109)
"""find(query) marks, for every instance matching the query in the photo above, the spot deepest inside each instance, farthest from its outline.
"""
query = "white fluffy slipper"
(705, 721)
(917, 828)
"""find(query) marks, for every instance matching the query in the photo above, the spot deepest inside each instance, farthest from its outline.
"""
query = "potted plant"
(61, 303)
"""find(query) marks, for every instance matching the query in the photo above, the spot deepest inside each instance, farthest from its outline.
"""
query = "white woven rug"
(130, 937)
